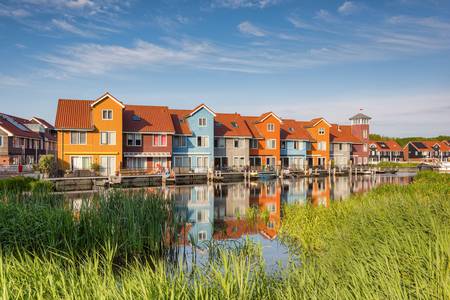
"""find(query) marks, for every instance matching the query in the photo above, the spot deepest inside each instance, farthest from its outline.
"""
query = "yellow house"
(90, 132)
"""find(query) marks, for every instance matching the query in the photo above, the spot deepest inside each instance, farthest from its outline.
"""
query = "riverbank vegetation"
(391, 243)
(396, 165)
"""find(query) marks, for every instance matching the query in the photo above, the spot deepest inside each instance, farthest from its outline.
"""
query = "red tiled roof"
(74, 114)
(384, 146)
(223, 126)
(343, 134)
(17, 126)
(150, 119)
(294, 130)
(179, 121)
(251, 121)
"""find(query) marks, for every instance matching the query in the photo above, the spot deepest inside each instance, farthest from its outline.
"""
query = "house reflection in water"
(223, 211)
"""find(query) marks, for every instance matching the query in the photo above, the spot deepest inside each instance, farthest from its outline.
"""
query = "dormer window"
(321, 131)
(107, 114)
(136, 118)
(234, 124)
(270, 127)
(202, 122)
(291, 129)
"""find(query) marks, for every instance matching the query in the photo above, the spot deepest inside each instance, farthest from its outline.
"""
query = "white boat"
(444, 167)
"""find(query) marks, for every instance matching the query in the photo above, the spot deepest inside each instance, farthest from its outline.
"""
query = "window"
(1, 141)
(322, 146)
(255, 161)
(340, 147)
(365, 147)
(136, 162)
(283, 145)
(234, 125)
(81, 162)
(134, 139)
(107, 114)
(270, 127)
(160, 140)
(321, 131)
(180, 141)
(271, 207)
(365, 134)
(254, 143)
(236, 143)
(296, 145)
(202, 122)
(271, 144)
(78, 138)
(219, 143)
(203, 216)
(202, 141)
(202, 236)
(182, 162)
(107, 138)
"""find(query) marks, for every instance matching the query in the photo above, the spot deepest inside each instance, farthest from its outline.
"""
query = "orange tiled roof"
(251, 121)
(223, 126)
(343, 134)
(294, 130)
(143, 118)
(179, 121)
(383, 146)
(74, 114)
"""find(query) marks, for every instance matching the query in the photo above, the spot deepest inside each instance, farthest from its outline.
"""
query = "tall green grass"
(392, 243)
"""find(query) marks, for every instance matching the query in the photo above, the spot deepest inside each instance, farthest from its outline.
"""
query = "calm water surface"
(218, 212)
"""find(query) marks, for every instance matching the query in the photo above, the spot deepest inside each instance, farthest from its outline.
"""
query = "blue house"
(295, 142)
(193, 142)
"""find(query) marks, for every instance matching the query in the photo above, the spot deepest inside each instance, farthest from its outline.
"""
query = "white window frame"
(108, 118)
(269, 144)
(78, 139)
(109, 140)
(81, 157)
(134, 137)
(203, 138)
(1, 141)
(270, 127)
(321, 131)
(202, 122)
(322, 146)
(202, 236)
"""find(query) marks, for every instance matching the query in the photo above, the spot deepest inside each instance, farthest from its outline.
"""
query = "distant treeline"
(403, 141)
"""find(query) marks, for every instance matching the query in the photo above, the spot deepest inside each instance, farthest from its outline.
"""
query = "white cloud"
(65, 26)
(429, 22)
(7, 11)
(250, 29)
(6, 80)
(325, 15)
(348, 8)
(234, 4)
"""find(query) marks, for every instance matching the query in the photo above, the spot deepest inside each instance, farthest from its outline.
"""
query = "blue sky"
(298, 58)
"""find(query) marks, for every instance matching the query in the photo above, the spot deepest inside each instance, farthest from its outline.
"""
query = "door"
(107, 165)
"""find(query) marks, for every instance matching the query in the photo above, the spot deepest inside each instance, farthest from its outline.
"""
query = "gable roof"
(316, 121)
(200, 107)
(385, 146)
(143, 118)
(42, 122)
(343, 134)
(251, 124)
(360, 116)
(268, 114)
(223, 126)
(181, 126)
(74, 114)
(105, 96)
(15, 126)
(294, 130)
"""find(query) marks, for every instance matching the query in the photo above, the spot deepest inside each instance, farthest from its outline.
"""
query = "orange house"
(319, 153)
(265, 142)
(90, 132)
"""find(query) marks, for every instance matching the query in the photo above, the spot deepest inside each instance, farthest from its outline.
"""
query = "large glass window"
(254, 143)
(179, 141)
(134, 139)
(81, 162)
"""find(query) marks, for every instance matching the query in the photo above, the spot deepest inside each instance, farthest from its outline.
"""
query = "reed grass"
(392, 243)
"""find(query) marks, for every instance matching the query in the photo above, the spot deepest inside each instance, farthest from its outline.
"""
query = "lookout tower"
(360, 129)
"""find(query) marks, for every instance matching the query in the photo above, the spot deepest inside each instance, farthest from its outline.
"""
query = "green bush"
(47, 165)
(14, 185)
(42, 187)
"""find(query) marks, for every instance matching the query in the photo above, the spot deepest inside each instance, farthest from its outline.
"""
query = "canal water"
(221, 214)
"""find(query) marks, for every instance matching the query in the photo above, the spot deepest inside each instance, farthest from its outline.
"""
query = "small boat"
(254, 175)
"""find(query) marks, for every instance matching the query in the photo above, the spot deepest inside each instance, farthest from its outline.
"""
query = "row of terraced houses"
(118, 137)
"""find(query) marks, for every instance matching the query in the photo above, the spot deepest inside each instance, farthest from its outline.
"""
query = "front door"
(107, 165)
